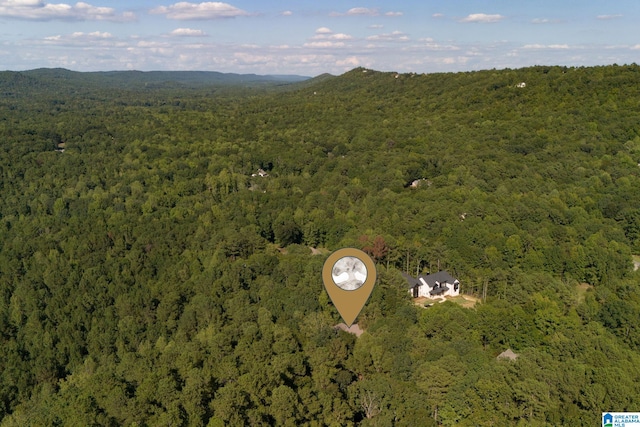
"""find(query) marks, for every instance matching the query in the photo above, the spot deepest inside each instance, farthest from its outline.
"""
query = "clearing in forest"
(466, 301)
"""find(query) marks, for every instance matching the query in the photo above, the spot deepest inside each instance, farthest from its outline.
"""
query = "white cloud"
(18, 3)
(366, 11)
(199, 11)
(482, 18)
(324, 33)
(376, 26)
(350, 62)
(430, 44)
(187, 32)
(95, 40)
(541, 21)
(543, 46)
(287, 13)
(151, 43)
(608, 17)
(324, 44)
(38, 10)
(396, 36)
(362, 11)
(357, 11)
(95, 34)
(438, 15)
(338, 36)
(460, 60)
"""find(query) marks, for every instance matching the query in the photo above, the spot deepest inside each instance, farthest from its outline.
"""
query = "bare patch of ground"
(581, 290)
(424, 301)
(354, 329)
(466, 301)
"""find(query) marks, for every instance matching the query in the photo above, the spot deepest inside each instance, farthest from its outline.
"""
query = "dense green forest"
(150, 276)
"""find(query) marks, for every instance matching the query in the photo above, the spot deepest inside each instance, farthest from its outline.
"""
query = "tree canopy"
(156, 262)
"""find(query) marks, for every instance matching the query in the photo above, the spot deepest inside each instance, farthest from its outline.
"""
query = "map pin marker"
(349, 276)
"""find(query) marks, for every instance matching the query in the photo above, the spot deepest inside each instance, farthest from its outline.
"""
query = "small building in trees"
(508, 354)
(437, 285)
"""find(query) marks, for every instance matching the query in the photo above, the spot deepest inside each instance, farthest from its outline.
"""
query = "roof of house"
(412, 281)
(508, 354)
(438, 291)
(440, 277)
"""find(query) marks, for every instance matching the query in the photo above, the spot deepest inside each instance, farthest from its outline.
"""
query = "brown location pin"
(349, 276)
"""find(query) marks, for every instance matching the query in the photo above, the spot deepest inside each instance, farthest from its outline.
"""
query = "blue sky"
(313, 37)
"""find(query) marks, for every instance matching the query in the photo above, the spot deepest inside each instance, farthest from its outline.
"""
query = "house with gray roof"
(437, 285)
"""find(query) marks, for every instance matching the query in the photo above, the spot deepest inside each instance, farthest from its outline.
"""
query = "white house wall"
(451, 291)
(424, 289)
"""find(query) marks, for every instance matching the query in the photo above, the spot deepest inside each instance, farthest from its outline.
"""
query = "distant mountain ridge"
(132, 79)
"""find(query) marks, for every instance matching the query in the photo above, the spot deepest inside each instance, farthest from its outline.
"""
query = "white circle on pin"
(349, 273)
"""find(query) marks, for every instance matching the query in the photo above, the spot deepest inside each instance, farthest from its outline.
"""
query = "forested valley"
(161, 248)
